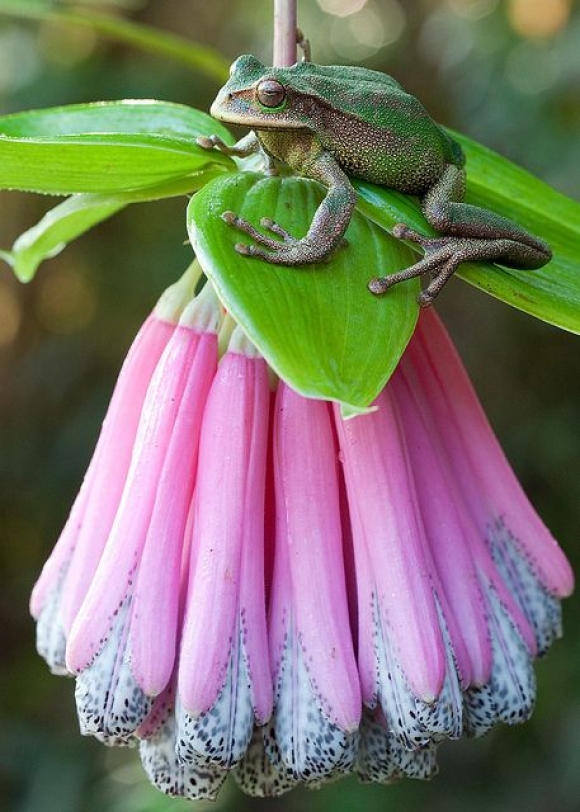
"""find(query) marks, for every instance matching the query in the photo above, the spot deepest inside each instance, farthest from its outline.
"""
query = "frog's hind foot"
(381, 285)
(438, 280)
(441, 260)
(444, 254)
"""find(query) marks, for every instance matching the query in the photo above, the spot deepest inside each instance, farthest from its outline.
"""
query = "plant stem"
(284, 32)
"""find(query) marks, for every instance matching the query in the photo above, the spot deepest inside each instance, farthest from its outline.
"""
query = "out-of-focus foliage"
(506, 73)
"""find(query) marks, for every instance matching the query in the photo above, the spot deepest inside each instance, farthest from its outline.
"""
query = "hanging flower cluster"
(248, 583)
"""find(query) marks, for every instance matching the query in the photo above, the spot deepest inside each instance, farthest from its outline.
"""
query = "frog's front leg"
(469, 234)
(326, 230)
(241, 149)
(246, 146)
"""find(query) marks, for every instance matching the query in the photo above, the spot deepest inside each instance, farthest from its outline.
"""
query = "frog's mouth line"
(252, 122)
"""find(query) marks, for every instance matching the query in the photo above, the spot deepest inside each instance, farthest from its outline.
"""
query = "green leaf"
(58, 227)
(551, 293)
(105, 147)
(200, 57)
(78, 214)
(318, 326)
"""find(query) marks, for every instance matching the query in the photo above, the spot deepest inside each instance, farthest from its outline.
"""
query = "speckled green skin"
(338, 121)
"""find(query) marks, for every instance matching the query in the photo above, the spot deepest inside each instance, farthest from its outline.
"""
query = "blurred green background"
(506, 73)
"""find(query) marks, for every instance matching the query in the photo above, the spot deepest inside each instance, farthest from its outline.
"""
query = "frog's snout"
(230, 108)
(220, 104)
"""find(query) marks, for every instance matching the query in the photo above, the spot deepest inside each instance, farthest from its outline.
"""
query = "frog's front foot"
(262, 239)
(211, 142)
(282, 248)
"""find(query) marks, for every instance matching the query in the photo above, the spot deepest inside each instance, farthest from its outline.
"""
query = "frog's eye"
(271, 93)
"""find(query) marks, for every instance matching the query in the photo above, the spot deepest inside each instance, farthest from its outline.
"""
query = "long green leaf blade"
(106, 147)
(79, 213)
(57, 228)
(551, 293)
(129, 116)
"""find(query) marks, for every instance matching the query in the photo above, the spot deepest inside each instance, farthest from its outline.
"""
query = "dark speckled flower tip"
(249, 584)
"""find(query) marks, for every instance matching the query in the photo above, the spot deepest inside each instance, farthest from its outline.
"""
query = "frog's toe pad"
(249, 250)
(425, 299)
(272, 225)
(205, 142)
(378, 286)
(403, 232)
(230, 218)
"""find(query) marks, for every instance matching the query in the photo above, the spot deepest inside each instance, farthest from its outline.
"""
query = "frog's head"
(260, 97)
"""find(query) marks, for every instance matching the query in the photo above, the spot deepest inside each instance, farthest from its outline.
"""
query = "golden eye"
(270, 93)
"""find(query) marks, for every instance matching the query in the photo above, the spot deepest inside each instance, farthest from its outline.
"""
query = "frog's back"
(376, 130)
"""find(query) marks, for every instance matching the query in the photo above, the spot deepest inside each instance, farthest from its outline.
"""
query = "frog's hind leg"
(445, 210)
(469, 234)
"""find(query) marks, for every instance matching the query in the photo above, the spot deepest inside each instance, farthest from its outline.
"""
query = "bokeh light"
(341, 8)
(20, 62)
(360, 34)
(538, 18)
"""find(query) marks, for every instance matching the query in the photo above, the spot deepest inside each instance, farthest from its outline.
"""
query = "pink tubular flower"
(296, 598)
(68, 572)
(123, 640)
(403, 659)
(521, 573)
(224, 682)
(313, 732)
(427, 485)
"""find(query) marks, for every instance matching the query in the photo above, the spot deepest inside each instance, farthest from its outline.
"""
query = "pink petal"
(117, 434)
(489, 486)
(113, 578)
(447, 531)
(412, 658)
(114, 448)
(388, 532)
(224, 679)
(318, 702)
(46, 598)
(154, 621)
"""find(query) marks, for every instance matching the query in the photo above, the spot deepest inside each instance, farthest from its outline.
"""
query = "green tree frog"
(332, 122)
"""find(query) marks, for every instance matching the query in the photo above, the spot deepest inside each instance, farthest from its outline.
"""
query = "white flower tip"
(193, 781)
(220, 735)
(203, 313)
(300, 740)
(257, 776)
(241, 344)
